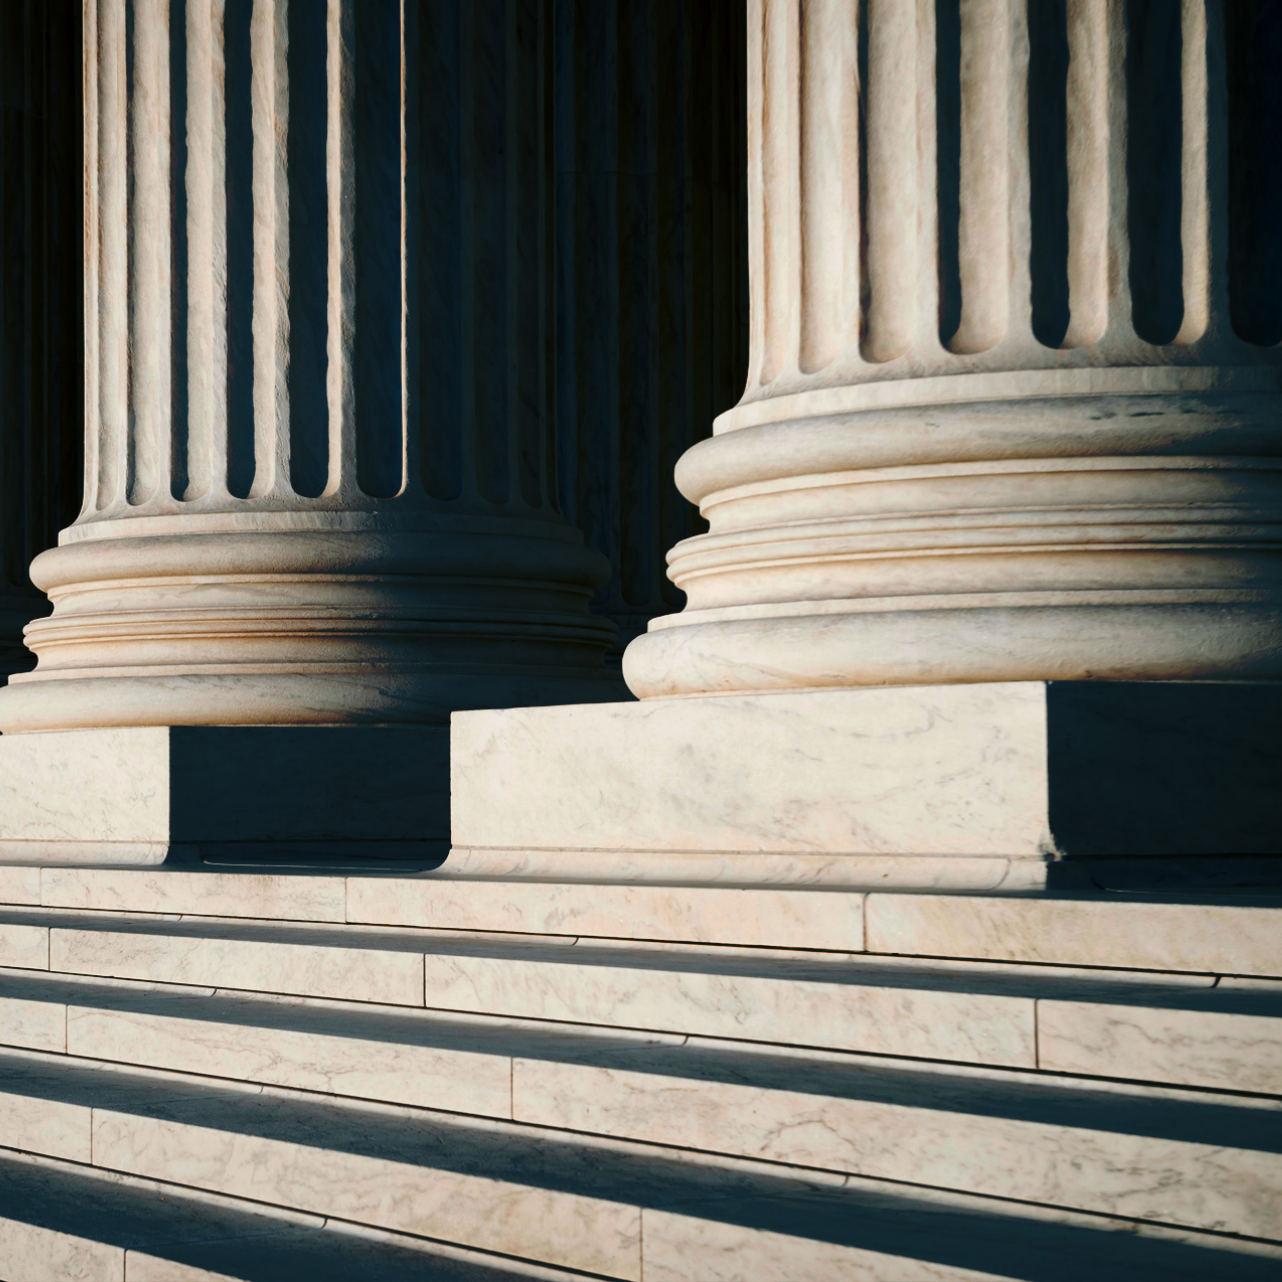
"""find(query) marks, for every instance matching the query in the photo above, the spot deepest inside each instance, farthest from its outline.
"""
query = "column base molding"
(262, 795)
(1015, 787)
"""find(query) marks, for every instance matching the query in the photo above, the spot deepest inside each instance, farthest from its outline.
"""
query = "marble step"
(1200, 1160)
(540, 1196)
(1085, 1022)
(1215, 935)
(63, 1221)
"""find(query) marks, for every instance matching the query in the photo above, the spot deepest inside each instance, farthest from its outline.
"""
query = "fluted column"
(651, 272)
(1013, 402)
(320, 467)
(40, 311)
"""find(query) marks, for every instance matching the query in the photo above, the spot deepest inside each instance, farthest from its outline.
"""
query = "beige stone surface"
(761, 916)
(119, 779)
(30, 1253)
(1220, 1051)
(310, 970)
(972, 1027)
(1223, 1187)
(1236, 938)
(25, 946)
(567, 1229)
(35, 1025)
(431, 1077)
(213, 894)
(19, 885)
(51, 1127)
(932, 770)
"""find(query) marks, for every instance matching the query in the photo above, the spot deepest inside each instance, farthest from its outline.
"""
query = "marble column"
(40, 307)
(1013, 404)
(651, 233)
(320, 477)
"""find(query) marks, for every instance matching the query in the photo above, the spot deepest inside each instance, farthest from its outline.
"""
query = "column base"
(1016, 787)
(263, 795)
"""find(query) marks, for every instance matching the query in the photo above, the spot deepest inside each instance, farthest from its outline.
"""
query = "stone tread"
(1217, 1160)
(552, 1198)
(1092, 1022)
(70, 1222)
(1221, 934)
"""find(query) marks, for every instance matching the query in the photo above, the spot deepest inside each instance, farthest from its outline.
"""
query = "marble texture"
(1220, 1051)
(867, 1016)
(149, 794)
(281, 966)
(31, 1251)
(938, 771)
(1011, 787)
(561, 1228)
(19, 885)
(336, 1063)
(202, 894)
(760, 917)
(49, 1126)
(33, 1024)
(1236, 938)
(1231, 1185)
(24, 946)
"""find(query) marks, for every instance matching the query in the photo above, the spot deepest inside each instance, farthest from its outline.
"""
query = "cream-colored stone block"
(31, 1253)
(307, 970)
(1209, 937)
(19, 885)
(1222, 1051)
(50, 1127)
(937, 1024)
(946, 770)
(765, 916)
(201, 894)
(427, 1076)
(24, 945)
(682, 1248)
(33, 1025)
(1220, 1187)
(566, 1229)
(119, 777)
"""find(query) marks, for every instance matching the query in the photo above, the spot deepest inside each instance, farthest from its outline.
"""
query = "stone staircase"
(254, 1075)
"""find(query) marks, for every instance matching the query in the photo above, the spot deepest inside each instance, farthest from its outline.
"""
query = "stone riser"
(1057, 1142)
(1219, 937)
(626, 1211)
(842, 1163)
(1110, 1024)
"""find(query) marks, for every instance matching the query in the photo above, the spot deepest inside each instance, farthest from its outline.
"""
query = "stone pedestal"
(1014, 787)
(144, 795)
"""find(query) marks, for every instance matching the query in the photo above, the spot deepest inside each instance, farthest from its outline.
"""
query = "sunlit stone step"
(1085, 1022)
(1212, 1162)
(65, 1222)
(545, 1197)
(1211, 935)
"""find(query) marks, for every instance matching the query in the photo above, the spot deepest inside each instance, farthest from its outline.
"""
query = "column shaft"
(651, 272)
(1012, 409)
(320, 454)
